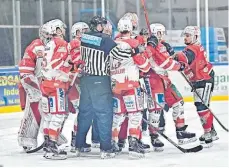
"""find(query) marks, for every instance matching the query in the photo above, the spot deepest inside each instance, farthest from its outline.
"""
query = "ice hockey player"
(201, 74)
(142, 38)
(127, 59)
(133, 17)
(123, 131)
(108, 28)
(173, 98)
(55, 83)
(29, 92)
(74, 93)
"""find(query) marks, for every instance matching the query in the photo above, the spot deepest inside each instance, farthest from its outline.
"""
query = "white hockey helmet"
(107, 29)
(79, 26)
(158, 30)
(125, 24)
(194, 32)
(45, 33)
(57, 23)
(134, 19)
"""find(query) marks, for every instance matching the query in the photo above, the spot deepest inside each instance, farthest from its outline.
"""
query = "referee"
(95, 85)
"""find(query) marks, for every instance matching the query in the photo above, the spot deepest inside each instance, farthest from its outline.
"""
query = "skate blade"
(147, 150)
(135, 155)
(110, 156)
(186, 141)
(73, 150)
(95, 145)
(53, 156)
(85, 150)
(74, 154)
(158, 149)
(214, 138)
(118, 153)
(208, 145)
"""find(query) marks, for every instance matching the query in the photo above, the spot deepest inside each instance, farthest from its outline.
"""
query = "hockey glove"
(169, 49)
(182, 67)
(153, 41)
(138, 49)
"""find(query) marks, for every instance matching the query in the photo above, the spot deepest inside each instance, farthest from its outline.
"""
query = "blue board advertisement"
(9, 95)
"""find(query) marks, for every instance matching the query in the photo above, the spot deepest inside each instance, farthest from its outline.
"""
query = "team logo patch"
(61, 100)
(116, 105)
(52, 104)
(89, 39)
(160, 98)
(62, 49)
(140, 99)
(130, 103)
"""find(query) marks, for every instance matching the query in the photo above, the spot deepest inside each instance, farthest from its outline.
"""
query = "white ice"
(12, 155)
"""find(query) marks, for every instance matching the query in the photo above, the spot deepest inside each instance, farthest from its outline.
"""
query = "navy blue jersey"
(95, 49)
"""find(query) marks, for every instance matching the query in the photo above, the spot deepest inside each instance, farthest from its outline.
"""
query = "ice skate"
(156, 143)
(121, 143)
(207, 140)
(135, 148)
(213, 135)
(185, 137)
(95, 144)
(146, 147)
(115, 147)
(107, 154)
(53, 152)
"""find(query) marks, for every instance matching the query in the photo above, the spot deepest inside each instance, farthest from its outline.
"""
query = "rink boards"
(9, 97)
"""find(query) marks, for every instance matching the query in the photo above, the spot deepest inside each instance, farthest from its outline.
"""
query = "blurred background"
(20, 20)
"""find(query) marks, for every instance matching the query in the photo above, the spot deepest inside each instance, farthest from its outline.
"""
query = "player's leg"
(30, 124)
(175, 101)
(155, 91)
(120, 123)
(133, 101)
(54, 107)
(123, 134)
(204, 89)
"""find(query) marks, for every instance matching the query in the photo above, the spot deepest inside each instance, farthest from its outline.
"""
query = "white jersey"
(124, 72)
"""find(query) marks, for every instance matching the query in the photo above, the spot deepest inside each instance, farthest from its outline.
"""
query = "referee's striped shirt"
(94, 50)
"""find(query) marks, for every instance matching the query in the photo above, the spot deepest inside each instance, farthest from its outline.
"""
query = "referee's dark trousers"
(95, 101)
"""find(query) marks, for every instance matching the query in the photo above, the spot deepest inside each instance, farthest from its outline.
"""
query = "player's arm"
(186, 56)
(140, 59)
(162, 59)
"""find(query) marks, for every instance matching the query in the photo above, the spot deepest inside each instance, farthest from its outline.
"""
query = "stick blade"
(36, 149)
(195, 149)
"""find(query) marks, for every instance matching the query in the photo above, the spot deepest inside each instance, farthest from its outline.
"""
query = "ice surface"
(12, 155)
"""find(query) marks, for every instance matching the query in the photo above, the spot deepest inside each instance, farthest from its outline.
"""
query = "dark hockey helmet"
(96, 20)
(144, 31)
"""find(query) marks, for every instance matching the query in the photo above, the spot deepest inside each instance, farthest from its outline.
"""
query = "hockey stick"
(42, 145)
(195, 91)
(194, 149)
(146, 16)
(36, 149)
